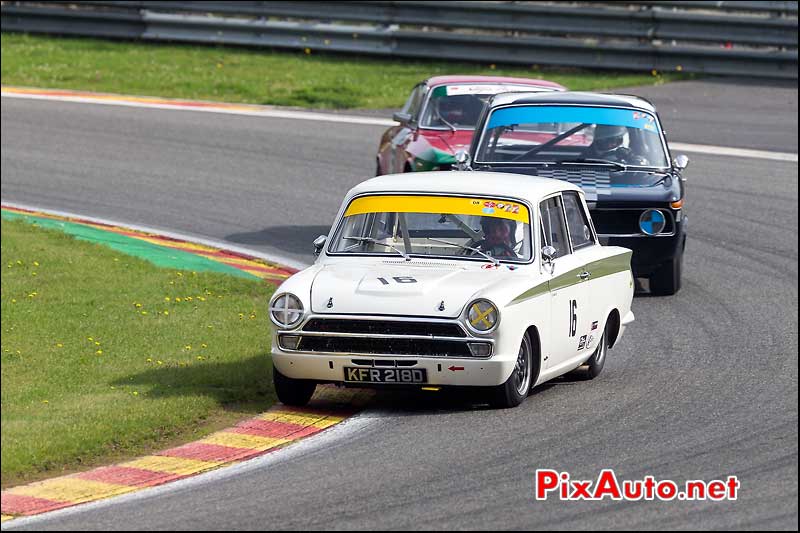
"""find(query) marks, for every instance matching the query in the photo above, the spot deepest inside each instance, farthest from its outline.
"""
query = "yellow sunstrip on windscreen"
(451, 205)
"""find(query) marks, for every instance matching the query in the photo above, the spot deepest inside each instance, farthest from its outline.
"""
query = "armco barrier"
(728, 38)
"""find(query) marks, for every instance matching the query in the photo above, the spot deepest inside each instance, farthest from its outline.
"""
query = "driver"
(498, 237)
(607, 140)
(450, 109)
(460, 109)
(608, 144)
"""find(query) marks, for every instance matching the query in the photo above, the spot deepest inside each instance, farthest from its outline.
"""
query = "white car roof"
(492, 184)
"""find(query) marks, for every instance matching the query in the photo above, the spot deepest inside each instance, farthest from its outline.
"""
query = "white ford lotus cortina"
(435, 279)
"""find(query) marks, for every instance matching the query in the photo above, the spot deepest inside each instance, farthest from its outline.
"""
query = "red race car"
(439, 117)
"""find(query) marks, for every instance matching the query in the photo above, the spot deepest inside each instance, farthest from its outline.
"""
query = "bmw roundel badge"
(652, 222)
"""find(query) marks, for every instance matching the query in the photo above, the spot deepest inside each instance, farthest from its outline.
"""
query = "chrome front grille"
(611, 222)
(381, 337)
(384, 327)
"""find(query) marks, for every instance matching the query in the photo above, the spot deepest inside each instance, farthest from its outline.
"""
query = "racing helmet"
(608, 137)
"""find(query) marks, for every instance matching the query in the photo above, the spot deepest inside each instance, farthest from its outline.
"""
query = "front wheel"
(514, 391)
(290, 391)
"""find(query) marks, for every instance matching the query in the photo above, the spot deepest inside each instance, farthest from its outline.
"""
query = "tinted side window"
(555, 230)
(579, 228)
(414, 102)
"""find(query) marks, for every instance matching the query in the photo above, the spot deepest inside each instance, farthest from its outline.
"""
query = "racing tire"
(666, 281)
(290, 391)
(598, 359)
(514, 391)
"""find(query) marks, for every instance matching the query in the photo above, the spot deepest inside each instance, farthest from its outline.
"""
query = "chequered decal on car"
(592, 182)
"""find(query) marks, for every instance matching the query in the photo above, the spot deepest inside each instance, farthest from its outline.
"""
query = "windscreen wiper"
(376, 241)
(552, 141)
(487, 256)
(617, 164)
(447, 123)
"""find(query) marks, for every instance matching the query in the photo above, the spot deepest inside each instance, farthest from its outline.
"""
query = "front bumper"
(441, 371)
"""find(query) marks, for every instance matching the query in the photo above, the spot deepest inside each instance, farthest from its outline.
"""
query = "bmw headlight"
(482, 316)
(286, 310)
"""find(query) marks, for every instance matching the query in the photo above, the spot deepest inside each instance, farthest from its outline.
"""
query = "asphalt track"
(704, 385)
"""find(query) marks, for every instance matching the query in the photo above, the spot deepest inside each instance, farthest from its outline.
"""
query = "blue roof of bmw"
(572, 98)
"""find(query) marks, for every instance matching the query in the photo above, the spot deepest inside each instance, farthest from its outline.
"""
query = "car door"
(408, 131)
(570, 301)
(587, 250)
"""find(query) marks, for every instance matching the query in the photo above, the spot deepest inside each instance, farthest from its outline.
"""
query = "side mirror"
(402, 118)
(319, 243)
(548, 254)
(463, 160)
(681, 162)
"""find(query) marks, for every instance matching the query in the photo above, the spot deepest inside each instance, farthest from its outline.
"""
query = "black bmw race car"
(614, 148)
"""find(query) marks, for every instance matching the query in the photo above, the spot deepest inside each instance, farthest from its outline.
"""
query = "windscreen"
(435, 226)
(459, 106)
(572, 134)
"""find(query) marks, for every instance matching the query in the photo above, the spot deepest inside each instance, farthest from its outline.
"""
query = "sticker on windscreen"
(453, 90)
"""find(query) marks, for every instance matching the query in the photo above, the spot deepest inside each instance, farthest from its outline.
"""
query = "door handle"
(584, 275)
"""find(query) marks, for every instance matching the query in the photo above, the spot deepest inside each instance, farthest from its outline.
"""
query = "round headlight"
(286, 310)
(482, 316)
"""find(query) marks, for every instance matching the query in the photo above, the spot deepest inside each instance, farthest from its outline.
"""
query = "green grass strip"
(158, 255)
(106, 356)
(255, 75)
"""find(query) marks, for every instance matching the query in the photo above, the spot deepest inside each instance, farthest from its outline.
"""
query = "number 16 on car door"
(570, 300)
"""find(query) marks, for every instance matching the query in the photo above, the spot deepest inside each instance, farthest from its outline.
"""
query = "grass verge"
(257, 76)
(105, 356)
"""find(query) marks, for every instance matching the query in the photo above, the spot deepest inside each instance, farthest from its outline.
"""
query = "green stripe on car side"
(610, 265)
(598, 269)
(533, 292)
